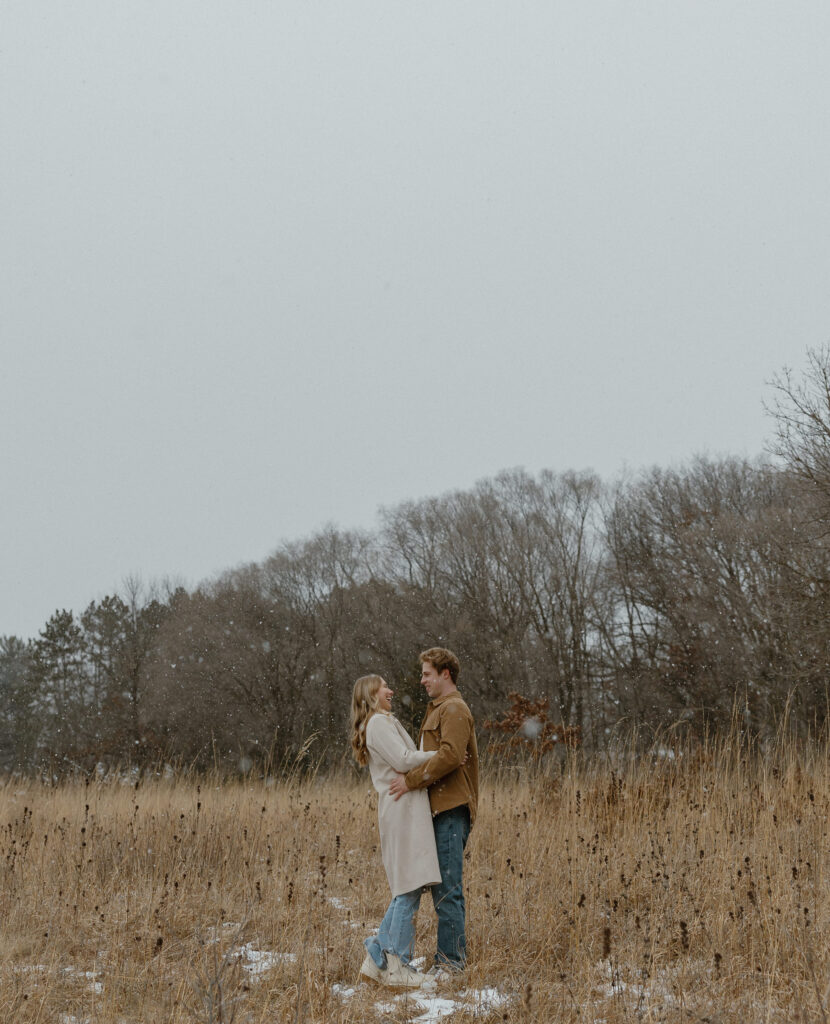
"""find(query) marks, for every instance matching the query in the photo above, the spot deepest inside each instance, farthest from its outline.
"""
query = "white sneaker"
(399, 975)
(443, 975)
(369, 971)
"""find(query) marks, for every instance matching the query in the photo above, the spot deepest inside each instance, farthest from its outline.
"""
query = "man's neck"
(446, 693)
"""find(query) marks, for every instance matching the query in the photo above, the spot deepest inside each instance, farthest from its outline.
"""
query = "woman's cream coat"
(407, 841)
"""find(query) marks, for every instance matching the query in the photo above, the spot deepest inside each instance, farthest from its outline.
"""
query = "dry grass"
(692, 890)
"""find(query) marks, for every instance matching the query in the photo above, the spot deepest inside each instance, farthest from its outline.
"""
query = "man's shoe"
(444, 973)
(369, 971)
(399, 975)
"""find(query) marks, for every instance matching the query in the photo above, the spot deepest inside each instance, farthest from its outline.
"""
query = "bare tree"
(264, 656)
(506, 574)
(801, 409)
(708, 562)
(553, 551)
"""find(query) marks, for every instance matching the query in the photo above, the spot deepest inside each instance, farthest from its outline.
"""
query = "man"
(452, 778)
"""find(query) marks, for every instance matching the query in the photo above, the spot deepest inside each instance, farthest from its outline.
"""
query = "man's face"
(436, 685)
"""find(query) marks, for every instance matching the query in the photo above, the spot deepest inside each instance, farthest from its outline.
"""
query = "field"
(691, 888)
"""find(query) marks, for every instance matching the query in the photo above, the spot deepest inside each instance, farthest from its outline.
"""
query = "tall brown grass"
(626, 889)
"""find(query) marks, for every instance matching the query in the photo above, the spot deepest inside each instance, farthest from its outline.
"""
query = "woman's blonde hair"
(364, 705)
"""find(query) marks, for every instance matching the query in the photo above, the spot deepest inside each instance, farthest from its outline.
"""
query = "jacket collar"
(440, 700)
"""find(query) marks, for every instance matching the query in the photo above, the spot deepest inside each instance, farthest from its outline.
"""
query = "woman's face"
(385, 697)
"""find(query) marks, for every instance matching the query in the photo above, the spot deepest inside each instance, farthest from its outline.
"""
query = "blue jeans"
(397, 930)
(452, 828)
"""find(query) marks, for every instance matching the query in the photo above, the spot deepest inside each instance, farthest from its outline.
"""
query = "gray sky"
(268, 265)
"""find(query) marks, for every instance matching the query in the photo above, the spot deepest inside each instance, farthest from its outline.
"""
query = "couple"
(426, 806)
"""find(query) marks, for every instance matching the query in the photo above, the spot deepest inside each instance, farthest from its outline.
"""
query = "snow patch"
(260, 960)
(433, 1008)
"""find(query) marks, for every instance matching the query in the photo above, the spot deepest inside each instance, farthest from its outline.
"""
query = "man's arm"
(456, 724)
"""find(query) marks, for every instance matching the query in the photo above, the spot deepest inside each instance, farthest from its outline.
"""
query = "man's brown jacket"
(449, 730)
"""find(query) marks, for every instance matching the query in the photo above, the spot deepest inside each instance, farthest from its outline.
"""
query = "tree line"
(677, 599)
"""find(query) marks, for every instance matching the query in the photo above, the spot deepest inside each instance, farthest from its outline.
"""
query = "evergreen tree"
(18, 722)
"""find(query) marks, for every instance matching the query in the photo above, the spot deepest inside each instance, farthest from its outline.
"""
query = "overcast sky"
(267, 265)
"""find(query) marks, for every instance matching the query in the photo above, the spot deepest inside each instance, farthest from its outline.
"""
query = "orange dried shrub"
(526, 727)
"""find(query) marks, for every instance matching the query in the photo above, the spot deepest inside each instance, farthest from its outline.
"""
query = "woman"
(407, 841)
